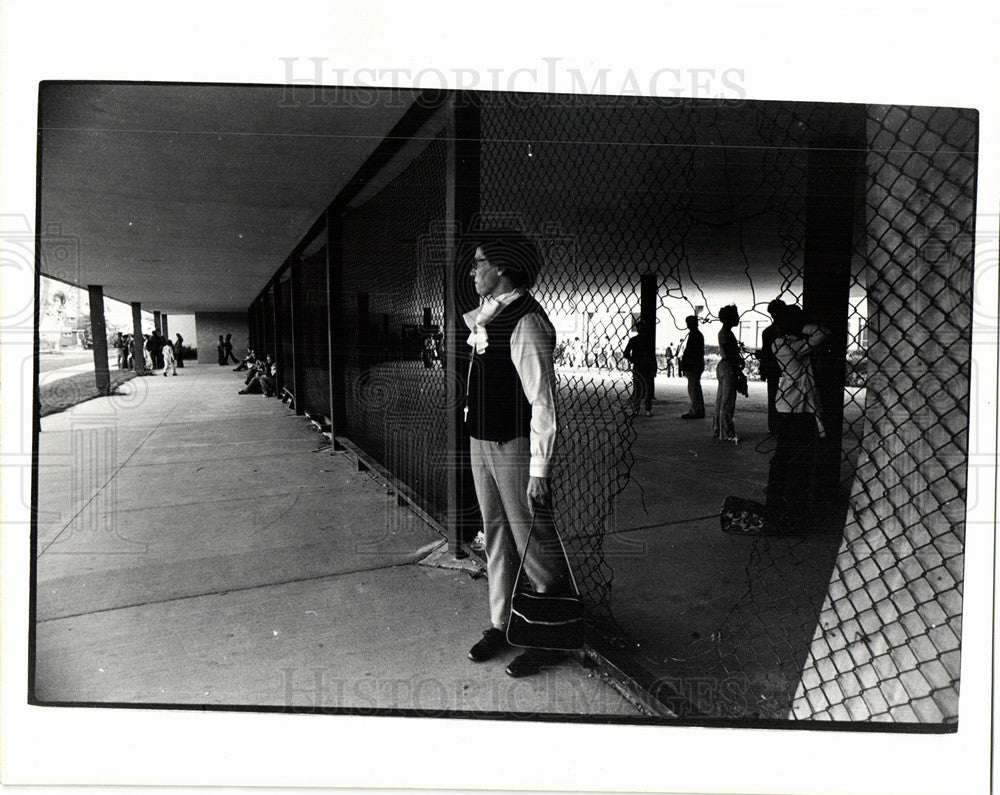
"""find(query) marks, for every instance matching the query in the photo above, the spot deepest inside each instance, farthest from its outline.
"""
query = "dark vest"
(498, 409)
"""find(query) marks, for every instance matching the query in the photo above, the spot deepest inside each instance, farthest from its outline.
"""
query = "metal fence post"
(647, 314)
(462, 186)
(334, 316)
(277, 335)
(295, 318)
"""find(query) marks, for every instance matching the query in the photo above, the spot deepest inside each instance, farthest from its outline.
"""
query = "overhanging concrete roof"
(189, 197)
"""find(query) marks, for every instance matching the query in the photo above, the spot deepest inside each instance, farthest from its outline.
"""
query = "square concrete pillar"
(138, 357)
(99, 335)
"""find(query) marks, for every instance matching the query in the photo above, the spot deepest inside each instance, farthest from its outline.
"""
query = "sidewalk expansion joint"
(223, 592)
(111, 477)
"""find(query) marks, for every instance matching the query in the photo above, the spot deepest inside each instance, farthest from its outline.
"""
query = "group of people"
(159, 353)
(602, 354)
(789, 347)
(261, 376)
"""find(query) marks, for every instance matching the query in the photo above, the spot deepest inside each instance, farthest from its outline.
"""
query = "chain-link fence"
(887, 646)
(660, 209)
(394, 319)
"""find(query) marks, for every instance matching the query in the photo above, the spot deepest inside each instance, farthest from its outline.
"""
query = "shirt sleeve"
(531, 346)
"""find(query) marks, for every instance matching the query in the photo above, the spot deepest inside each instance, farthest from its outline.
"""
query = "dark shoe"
(489, 645)
(692, 416)
(244, 391)
(532, 661)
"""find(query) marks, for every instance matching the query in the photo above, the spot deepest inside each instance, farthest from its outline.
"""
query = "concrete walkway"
(196, 546)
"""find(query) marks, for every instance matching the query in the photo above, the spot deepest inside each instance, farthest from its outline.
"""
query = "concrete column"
(156, 322)
(99, 334)
(138, 356)
(165, 329)
(835, 166)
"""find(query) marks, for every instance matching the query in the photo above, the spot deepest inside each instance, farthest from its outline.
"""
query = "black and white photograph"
(525, 402)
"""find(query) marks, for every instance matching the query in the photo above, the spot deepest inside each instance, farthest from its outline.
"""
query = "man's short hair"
(514, 253)
(689, 318)
(775, 307)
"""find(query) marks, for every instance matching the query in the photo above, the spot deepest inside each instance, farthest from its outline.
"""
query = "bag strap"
(524, 553)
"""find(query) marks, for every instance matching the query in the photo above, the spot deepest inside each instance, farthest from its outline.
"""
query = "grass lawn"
(48, 361)
(68, 392)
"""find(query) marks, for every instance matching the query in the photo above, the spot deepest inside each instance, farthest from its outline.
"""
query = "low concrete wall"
(209, 325)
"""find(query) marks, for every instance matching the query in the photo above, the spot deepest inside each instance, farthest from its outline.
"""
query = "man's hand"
(539, 494)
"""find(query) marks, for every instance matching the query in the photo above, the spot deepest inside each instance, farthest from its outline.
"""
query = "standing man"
(692, 366)
(639, 352)
(769, 369)
(669, 356)
(510, 415)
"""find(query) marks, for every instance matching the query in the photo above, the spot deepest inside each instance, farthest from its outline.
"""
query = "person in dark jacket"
(728, 376)
(639, 352)
(228, 350)
(692, 365)
(178, 343)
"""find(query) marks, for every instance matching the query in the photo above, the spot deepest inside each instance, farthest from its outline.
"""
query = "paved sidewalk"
(196, 546)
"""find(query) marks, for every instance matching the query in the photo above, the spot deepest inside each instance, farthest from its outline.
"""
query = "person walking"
(169, 360)
(510, 416)
(221, 349)
(228, 350)
(692, 365)
(669, 360)
(639, 352)
(727, 375)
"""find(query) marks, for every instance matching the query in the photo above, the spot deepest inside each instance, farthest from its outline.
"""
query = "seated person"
(253, 367)
(262, 380)
(245, 364)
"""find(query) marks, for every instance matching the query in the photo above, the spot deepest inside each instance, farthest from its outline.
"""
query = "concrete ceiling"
(188, 197)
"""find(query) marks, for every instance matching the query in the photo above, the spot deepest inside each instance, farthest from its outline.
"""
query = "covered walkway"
(199, 547)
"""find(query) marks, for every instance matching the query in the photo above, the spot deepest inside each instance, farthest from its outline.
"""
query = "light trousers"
(724, 424)
(500, 474)
(695, 394)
